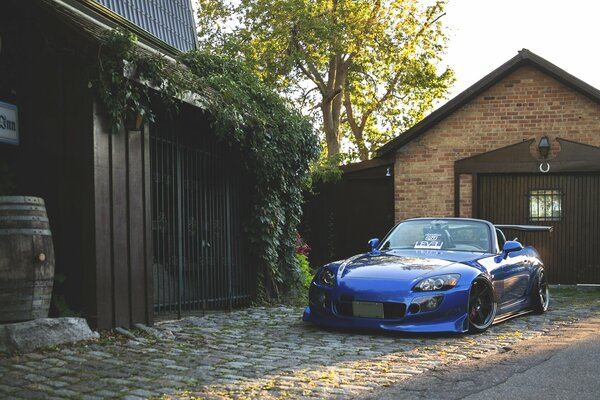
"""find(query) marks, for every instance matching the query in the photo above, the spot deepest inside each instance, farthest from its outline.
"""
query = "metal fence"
(197, 207)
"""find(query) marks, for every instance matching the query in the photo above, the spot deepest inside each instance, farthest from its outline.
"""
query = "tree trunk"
(331, 106)
(363, 152)
(331, 127)
(357, 130)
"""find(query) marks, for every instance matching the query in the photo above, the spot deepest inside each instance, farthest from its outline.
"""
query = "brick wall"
(526, 104)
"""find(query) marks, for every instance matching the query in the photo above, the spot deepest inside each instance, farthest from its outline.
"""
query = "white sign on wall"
(9, 123)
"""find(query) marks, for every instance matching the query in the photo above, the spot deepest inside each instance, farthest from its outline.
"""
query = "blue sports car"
(432, 275)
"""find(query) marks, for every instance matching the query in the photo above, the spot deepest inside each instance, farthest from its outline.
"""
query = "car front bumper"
(327, 308)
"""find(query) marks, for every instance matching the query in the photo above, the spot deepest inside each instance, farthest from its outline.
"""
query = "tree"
(367, 69)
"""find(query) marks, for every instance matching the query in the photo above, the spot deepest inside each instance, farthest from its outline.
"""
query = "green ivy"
(124, 78)
(278, 143)
(305, 270)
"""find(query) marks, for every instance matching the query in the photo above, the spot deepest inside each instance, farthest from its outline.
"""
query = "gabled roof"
(523, 58)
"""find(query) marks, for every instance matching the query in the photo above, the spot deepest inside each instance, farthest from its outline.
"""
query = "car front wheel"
(482, 306)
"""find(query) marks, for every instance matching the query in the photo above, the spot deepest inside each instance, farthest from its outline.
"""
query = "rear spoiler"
(527, 228)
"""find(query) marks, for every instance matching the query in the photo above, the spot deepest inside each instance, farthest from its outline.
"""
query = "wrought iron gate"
(197, 206)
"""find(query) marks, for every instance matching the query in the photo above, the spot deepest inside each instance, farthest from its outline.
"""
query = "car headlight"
(326, 277)
(440, 282)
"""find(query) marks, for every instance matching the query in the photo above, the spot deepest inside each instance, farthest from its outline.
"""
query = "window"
(545, 205)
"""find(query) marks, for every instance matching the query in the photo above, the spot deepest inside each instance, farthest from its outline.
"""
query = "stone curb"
(25, 337)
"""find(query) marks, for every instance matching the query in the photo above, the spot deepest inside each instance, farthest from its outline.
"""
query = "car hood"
(401, 265)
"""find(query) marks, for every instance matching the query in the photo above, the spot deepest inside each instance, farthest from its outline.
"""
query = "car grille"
(391, 310)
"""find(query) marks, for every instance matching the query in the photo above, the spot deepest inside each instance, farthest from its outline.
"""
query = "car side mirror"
(373, 243)
(510, 246)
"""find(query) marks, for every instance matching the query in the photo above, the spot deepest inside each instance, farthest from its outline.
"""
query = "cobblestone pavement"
(262, 353)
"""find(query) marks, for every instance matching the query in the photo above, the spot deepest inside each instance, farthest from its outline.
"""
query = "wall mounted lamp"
(544, 146)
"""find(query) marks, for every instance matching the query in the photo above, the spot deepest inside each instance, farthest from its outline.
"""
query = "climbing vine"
(278, 143)
(124, 77)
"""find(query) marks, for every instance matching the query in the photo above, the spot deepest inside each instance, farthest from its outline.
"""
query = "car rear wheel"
(482, 306)
(540, 297)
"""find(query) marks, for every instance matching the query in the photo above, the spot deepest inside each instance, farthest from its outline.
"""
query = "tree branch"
(357, 130)
(313, 75)
(350, 112)
(309, 70)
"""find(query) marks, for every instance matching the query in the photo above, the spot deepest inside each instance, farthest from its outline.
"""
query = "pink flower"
(301, 246)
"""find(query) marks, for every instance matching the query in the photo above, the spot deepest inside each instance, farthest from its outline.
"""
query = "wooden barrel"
(26, 259)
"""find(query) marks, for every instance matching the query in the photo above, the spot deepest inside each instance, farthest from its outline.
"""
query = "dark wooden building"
(145, 220)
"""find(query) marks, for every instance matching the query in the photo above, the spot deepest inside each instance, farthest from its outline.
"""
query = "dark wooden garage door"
(569, 203)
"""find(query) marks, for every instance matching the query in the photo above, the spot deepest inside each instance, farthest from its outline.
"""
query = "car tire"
(540, 296)
(482, 306)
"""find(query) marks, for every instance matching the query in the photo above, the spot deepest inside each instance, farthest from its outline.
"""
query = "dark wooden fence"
(339, 218)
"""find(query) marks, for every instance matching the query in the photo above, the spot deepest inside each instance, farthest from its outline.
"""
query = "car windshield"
(439, 234)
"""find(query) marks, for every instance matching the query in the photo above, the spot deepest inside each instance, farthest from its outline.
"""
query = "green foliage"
(277, 142)
(366, 69)
(305, 270)
(326, 169)
(300, 283)
(124, 76)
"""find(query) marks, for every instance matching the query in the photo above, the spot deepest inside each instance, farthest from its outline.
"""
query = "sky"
(484, 34)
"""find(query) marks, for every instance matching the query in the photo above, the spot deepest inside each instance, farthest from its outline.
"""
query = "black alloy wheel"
(482, 306)
(540, 296)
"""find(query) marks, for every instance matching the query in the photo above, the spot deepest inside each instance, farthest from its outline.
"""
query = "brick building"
(483, 155)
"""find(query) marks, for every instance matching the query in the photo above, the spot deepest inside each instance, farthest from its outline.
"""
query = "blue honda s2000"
(431, 275)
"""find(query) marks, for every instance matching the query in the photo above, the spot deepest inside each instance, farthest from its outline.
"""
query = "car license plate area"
(367, 309)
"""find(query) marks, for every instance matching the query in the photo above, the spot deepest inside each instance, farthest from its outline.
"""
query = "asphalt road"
(560, 366)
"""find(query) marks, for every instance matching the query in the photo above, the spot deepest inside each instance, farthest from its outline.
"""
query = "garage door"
(569, 203)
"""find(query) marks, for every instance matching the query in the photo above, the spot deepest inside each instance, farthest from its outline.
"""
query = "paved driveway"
(263, 353)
